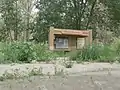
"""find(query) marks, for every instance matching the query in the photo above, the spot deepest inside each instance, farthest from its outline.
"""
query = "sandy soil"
(94, 76)
(50, 68)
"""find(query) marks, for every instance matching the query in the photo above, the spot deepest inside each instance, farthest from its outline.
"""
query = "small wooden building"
(68, 40)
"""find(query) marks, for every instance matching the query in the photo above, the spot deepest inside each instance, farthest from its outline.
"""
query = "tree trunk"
(15, 31)
(91, 12)
(28, 20)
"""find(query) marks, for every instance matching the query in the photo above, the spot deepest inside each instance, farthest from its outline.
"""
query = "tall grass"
(25, 52)
(96, 53)
(19, 52)
(42, 53)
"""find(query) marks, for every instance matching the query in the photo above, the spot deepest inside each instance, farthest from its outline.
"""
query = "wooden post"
(88, 40)
(90, 37)
(51, 38)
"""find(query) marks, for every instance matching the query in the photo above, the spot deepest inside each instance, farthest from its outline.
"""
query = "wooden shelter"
(68, 40)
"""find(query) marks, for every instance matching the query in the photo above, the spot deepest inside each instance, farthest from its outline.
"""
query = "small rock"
(34, 62)
(116, 62)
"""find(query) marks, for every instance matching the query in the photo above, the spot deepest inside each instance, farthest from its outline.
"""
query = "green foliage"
(116, 48)
(17, 16)
(18, 52)
(1, 57)
(97, 15)
(42, 53)
(95, 53)
(11, 15)
(2, 45)
(106, 54)
(89, 53)
(71, 14)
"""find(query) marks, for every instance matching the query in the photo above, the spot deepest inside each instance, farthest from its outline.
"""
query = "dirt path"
(88, 81)
(96, 77)
(50, 68)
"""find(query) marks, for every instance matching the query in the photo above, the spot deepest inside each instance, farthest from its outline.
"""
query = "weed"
(58, 71)
(35, 72)
(68, 64)
(2, 78)
(6, 75)
(17, 75)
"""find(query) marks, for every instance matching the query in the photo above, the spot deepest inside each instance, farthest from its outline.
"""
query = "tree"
(27, 7)
(114, 11)
(19, 19)
(70, 14)
(11, 17)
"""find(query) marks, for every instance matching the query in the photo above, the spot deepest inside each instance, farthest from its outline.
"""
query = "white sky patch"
(35, 10)
(84, 1)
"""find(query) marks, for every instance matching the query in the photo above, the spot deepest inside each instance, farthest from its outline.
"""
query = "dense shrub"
(42, 52)
(116, 48)
(94, 53)
(25, 52)
(88, 53)
(18, 52)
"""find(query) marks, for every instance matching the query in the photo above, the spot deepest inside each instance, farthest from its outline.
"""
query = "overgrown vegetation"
(98, 53)
(30, 20)
(19, 52)
(95, 53)
(19, 22)
(25, 52)
(17, 74)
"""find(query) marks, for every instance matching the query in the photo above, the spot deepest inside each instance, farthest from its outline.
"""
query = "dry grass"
(79, 82)
(16, 74)
(35, 79)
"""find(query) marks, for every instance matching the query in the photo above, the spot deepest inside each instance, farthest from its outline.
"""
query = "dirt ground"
(88, 80)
